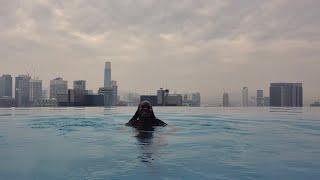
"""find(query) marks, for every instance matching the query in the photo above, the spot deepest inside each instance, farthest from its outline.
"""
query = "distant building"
(259, 98)
(6, 85)
(173, 100)
(315, 104)
(58, 86)
(6, 101)
(266, 101)
(163, 98)
(225, 100)
(94, 100)
(35, 90)
(45, 94)
(79, 85)
(196, 99)
(153, 99)
(62, 99)
(107, 74)
(22, 91)
(286, 94)
(45, 103)
(133, 99)
(245, 97)
(160, 97)
(107, 92)
(114, 92)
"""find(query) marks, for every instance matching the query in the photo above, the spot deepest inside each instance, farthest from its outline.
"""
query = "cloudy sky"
(208, 46)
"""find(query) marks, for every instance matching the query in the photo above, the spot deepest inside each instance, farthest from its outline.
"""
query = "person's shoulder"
(160, 123)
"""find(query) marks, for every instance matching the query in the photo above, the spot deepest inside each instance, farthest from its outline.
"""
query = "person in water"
(144, 118)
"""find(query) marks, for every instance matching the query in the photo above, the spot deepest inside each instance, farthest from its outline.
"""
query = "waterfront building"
(245, 97)
(160, 97)
(114, 92)
(79, 85)
(22, 91)
(107, 92)
(44, 102)
(58, 86)
(315, 104)
(153, 99)
(6, 85)
(225, 100)
(6, 101)
(286, 94)
(107, 74)
(35, 90)
(259, 98)
(94, 100)
(196, 99)
(266, 101)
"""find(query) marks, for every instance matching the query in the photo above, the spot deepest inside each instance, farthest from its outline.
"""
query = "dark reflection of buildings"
(150, 143)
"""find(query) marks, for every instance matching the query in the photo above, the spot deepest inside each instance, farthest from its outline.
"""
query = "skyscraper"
(245, 98)
(58, 86)
(114, 92)
(107, 74)
(22, 90)
(35, 90)
(79, 85)
(286, 94)
(259, 97)
(6, 85)
(196, 99)
(225, 100)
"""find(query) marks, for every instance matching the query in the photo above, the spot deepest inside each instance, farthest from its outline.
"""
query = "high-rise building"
(160, 96)
(286, 94)
(22, 90)
(225, 100)
(266, 101)
(245, 98)
(196, 99)
(115, 92)
(35, 90)
(259, 98)
(6, 85)
(107, 74)
(79, 85)
(107, 92)
(58, 86)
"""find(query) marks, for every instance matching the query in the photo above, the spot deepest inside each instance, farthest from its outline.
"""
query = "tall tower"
(259, 97)
(35, 90)
(6, 85)
(245, 98)
(22, 90)
(225, 99)
(107, 74)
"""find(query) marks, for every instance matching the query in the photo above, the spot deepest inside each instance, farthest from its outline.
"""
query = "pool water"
(199, 143)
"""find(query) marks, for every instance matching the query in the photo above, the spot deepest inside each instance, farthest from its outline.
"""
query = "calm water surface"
(199, 143)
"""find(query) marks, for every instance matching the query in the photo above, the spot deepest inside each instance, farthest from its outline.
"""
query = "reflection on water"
(150, 142)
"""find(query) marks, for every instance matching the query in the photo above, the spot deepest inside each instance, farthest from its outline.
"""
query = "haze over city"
(188, 46)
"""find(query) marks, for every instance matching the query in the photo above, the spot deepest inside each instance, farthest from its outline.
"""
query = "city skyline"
(207, 46)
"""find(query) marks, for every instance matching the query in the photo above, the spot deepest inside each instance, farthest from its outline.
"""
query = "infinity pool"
(199, 143)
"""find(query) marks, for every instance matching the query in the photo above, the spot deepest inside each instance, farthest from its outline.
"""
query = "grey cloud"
(205, 45)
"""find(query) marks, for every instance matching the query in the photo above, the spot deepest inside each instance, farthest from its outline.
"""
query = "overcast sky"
(208, 46)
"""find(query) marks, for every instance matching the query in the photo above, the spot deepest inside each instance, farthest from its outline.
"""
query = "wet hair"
(145, 103)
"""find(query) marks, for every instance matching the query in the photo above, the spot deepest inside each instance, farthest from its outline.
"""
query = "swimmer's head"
(145, 109)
